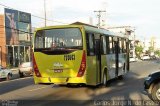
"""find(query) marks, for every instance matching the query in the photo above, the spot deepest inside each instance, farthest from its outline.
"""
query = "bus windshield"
(64, 38)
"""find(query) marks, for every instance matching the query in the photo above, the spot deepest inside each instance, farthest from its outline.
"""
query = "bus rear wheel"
(121, 77)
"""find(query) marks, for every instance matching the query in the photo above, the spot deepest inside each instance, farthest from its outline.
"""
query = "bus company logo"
(57, 64)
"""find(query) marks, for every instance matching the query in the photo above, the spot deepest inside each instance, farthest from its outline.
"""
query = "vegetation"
(139, 51)
(157, 52)
(9, 66)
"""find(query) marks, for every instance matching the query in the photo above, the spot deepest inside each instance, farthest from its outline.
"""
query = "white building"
(152, 42)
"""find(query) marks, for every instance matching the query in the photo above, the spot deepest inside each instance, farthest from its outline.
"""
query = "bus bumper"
(59, 80)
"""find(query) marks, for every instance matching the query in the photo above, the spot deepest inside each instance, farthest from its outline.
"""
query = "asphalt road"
(127, 92)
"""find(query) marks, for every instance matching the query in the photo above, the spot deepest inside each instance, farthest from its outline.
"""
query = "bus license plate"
(58, 70)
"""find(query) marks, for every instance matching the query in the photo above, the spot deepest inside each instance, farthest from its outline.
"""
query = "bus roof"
(87, 27)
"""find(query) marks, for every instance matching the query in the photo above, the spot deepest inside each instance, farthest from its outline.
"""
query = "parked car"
(5, 73)
(25, 69)
(132, 59)
(145, 57)
(152, 86)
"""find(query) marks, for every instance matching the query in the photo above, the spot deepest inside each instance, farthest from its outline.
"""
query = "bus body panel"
(58, 69)
(91, 75)
(122, 64)
(111, 62)
(57, 65)
(104, 66)
(74, 80)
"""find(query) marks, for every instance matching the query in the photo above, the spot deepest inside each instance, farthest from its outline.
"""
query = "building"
(150, 42)
(15, 37)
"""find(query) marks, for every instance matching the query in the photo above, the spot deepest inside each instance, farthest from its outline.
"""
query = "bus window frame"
(120, 45)
(44, 35)
(110, 45)
(103, 42)
(125, 46)
(89, 51)
(107, 45)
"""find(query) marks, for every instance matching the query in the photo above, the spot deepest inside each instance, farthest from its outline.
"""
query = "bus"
(79, 54)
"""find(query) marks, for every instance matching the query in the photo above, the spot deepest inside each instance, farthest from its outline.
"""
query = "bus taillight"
(82, 66)
(36, 70)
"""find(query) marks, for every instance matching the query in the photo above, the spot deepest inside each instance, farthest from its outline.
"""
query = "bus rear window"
(58, 38)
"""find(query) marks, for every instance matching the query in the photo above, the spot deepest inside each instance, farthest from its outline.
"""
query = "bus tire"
(121, 77)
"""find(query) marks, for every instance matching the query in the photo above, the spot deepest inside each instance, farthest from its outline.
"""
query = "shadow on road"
(10, 86)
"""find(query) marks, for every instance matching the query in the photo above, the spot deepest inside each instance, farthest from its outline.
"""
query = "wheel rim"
(158, 94)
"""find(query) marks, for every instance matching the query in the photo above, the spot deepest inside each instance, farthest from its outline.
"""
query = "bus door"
(98, 58)
(116, 46)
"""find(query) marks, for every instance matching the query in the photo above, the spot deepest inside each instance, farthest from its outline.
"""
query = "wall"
(2, 42)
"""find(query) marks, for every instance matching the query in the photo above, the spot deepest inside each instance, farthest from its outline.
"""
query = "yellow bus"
(79, 54)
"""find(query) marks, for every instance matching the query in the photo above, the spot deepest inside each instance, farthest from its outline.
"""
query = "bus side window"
(125, 46)
(107, 45)
(122, 42)
(111, 44)
(90, 44)
(103, 45)
(120, 45)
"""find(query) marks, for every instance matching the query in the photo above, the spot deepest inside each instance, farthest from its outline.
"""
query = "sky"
(141, 14)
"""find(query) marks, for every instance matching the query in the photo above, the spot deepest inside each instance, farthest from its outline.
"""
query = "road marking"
(37, 88)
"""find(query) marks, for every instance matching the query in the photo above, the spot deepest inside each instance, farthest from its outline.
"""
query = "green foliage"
(139, 51)
(157, 52)
(151, 49)
(8, 66)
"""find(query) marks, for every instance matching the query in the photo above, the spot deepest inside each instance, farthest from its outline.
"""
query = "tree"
(139, 51)
(157, 52)
(151, 49)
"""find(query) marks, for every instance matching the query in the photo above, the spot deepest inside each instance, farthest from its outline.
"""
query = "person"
(13, 40)
(53, 45)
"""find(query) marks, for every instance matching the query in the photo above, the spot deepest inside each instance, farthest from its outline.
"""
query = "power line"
(34, 15)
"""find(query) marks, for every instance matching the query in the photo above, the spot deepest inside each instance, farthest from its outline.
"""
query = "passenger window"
(90, 44)
(107, 45)
(125, 46)
(120, 45)
(111, 44)
(104, 45)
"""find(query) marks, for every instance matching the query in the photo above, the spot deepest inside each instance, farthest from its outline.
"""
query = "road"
(24, 92)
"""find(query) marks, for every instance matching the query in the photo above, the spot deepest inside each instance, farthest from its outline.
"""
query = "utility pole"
(45, 13)
(134, 43)
(99, 17)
